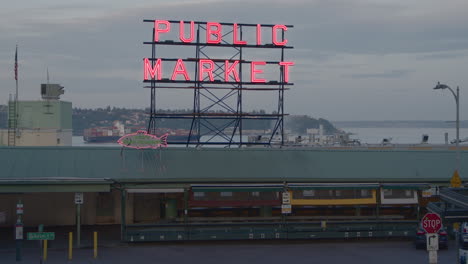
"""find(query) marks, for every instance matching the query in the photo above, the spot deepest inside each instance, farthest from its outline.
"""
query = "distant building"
(46, 122)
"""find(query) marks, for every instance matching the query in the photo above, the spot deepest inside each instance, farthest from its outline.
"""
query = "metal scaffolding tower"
(217, 115)
(12, 121)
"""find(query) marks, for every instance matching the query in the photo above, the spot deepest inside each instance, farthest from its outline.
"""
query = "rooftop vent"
(51, 91)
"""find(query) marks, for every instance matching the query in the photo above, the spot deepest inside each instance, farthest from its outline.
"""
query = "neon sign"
(231, 61)
(153, 68)
(214, 29)
(142, 140)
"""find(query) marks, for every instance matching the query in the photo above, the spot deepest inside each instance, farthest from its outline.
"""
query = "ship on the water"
(118, 130)
(105, 134)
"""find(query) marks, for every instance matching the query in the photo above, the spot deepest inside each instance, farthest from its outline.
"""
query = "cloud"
(443, 55)
(385, 75)
(341, 46)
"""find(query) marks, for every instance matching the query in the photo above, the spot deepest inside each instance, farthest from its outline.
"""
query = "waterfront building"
(46, 122)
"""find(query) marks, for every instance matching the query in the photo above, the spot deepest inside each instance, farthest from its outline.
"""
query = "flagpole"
(16, 97)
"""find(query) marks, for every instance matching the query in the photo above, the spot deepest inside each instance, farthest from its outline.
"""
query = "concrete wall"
(39, 137)
(50, 114)
(59, 209)
(52, 209)
(42, 123)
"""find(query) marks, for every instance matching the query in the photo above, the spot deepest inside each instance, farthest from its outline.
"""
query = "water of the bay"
(402, 132)
(373, 132)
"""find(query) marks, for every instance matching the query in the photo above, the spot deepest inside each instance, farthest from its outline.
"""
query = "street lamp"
(457, 101)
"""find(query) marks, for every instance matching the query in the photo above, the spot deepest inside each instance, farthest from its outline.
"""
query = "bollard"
(44, 253)
(70, 245)
(95, 244)
(19, 229)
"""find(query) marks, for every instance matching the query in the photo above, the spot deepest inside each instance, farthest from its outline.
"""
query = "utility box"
(50, 91)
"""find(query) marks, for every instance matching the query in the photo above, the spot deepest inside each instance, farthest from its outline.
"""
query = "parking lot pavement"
(351, 252)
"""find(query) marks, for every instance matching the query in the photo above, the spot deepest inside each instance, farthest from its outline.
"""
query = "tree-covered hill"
(138, 118)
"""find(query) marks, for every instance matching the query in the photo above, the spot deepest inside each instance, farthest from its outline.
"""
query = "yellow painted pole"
(95, 244)
(44, 253)
(70, 245)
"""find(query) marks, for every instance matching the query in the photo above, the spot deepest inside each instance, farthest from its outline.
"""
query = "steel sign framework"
(219, 83)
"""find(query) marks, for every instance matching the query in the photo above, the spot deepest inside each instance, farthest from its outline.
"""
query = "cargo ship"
(118, 130)
(105, 134)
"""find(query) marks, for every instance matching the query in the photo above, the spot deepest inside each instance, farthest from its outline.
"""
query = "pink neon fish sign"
(142, 140)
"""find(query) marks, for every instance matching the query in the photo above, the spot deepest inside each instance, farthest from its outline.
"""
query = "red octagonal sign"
(431, 223)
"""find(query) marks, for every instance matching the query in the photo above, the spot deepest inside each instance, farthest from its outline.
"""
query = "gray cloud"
(340, 46)
(385, 75)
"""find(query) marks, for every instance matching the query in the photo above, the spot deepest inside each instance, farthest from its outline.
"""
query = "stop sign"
(431, 223)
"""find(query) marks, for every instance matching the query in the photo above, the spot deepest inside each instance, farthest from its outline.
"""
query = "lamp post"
(457, 101)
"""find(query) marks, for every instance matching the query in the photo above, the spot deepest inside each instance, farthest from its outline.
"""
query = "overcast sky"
(354, 59)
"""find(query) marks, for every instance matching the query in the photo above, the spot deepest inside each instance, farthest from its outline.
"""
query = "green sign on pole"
(41, 236)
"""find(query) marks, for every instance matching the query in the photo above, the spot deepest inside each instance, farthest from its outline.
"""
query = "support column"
(123, 213)
(358, 210)
(377, 196)
(186, 198)
(78, 225)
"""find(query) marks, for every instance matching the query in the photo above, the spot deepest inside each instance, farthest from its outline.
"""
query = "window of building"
(364, 193)
(198, 194)
(387, 193)
(226, 194)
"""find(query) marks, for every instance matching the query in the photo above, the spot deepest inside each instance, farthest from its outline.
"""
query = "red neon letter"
(286, 65)
(228, 70)
(234, 34)
(208, 70)
(158, 30)
(216, 32)
(147, 68)
(259, 34)
(254, 71)
(179, 68)
(181, 32)
(274, 37)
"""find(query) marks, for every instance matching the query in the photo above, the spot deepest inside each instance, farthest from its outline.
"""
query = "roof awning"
(238, 188)
(409, 186)
(47, 185)
(142, 190)
(48, 188)
(344, 186)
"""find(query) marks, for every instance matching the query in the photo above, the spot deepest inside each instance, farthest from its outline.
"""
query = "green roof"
(218, 165)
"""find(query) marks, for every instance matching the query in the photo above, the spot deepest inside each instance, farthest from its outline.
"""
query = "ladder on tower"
(12, 124)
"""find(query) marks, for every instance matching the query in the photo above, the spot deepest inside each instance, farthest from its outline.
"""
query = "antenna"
(47, 75)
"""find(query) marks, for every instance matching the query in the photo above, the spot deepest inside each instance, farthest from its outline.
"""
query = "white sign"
(19, 209)
(463, 253)
(286, 209)
(78, 198)
(19, 232)
(432, 241)
(286, 198)
(432, 256)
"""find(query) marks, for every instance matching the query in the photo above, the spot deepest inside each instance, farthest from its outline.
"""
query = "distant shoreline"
(399, 124)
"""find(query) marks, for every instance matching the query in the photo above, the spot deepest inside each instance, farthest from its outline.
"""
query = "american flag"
(16, 63)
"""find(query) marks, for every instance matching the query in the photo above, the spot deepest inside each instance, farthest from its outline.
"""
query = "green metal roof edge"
(236, 189)
(35, 188)
(154, 186)
(52, 182)
(335, 187)
(280, 180)
(283, 149)
(406, 187)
